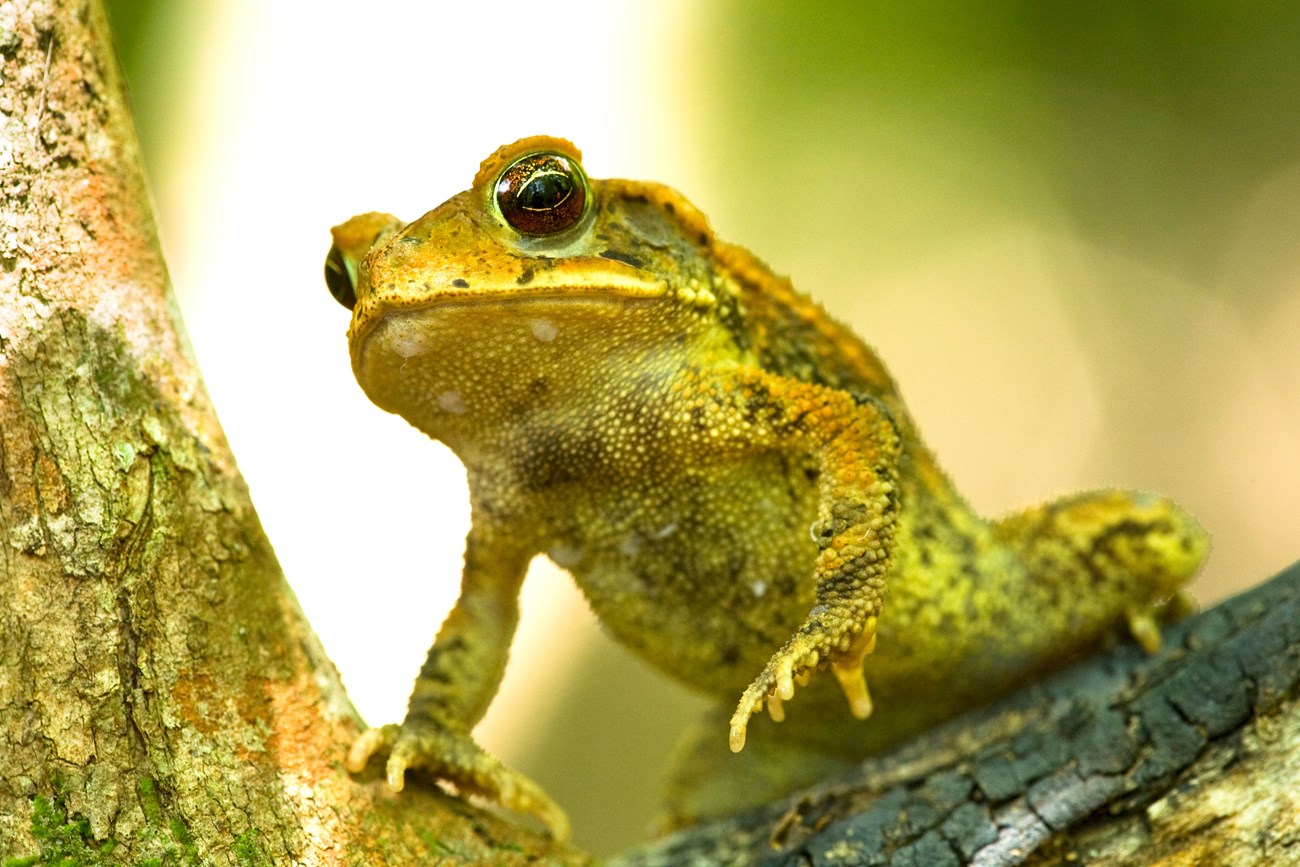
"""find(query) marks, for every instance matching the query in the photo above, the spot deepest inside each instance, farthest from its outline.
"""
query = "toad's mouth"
(456, 323)
(599, 280)
(486, 339)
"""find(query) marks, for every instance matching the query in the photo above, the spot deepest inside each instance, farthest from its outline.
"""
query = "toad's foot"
(1144, 620)
(792, 665)
(848, 671)
(455, 758)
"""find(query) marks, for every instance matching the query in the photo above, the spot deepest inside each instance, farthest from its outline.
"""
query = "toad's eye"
(542, 194)
(339, 278)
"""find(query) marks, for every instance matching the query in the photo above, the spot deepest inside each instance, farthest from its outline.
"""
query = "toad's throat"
(470, 365)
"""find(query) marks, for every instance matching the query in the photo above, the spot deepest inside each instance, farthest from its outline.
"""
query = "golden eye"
(542, 194)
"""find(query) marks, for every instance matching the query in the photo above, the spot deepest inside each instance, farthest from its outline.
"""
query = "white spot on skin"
(759, 588)
(452, 402)
(565, 555)
(543, 330)
(406, 339)
(664, 532)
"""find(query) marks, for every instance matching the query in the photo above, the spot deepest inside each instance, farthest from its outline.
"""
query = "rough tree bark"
(163, 701)
(161, 698)
(1188, 757)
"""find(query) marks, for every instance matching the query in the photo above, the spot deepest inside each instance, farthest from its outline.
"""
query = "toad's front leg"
(456, 684)
(856, 445)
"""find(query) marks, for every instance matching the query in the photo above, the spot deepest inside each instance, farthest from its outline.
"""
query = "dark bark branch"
(1190, 756)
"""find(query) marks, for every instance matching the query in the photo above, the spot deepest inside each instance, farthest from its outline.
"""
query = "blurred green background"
(1072, 230)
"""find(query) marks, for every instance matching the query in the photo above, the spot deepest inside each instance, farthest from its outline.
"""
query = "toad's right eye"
(542, 194)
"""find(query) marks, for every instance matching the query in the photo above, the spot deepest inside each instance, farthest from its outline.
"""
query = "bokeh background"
(1072, 230)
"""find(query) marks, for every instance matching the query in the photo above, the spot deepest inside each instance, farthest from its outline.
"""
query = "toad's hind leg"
(1113, 556)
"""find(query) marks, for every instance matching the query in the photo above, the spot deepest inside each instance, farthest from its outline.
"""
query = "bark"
(161, 698)
(1190, 756)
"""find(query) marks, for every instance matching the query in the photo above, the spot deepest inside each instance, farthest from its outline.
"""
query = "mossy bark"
(161, 697)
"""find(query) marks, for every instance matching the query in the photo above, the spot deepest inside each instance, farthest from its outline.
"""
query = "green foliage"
(1142, 125)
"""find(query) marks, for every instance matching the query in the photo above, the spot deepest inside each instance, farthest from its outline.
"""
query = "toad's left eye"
(338, 277)
(542, 194)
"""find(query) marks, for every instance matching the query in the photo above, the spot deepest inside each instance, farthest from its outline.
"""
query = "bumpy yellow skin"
(734, 482)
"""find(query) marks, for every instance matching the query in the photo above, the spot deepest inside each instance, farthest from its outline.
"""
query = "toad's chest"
(721, 550)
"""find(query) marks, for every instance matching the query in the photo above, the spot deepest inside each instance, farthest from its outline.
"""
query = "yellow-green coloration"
(730, 476)
(66, 839)
(248, 853)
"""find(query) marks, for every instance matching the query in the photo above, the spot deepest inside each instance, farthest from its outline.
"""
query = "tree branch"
(1189, 756)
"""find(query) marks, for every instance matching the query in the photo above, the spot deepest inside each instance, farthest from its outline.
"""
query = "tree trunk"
(161, 697)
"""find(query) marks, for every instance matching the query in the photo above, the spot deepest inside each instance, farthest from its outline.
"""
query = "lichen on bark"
(162, 699)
